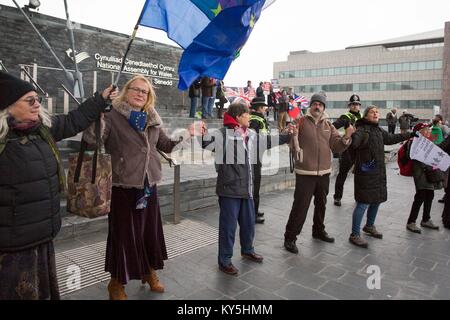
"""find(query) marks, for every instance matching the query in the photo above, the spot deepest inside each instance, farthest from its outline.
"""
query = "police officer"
(346, 159)
(259, 123)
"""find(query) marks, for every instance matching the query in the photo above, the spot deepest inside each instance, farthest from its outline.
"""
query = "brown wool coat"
(133, 154)
(314, 144)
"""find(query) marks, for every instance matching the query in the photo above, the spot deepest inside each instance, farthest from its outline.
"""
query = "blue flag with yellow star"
(211, 32)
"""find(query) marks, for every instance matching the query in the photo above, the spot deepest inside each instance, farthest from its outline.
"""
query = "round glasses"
(32, 100)
(138, 90)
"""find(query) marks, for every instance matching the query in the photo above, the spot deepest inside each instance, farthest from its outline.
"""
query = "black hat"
(12, 89)
(258, 102)
(319, 97)
(354, 99)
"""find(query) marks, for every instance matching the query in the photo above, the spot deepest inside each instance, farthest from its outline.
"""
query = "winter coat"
(313, 146)
(134, 155)
(391, 118)
(420, 179)
(207, 86)
(194, 89)
(29, 183)
(370, 169)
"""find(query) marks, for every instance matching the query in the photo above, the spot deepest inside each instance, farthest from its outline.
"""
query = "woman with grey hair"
(370, 172)
(31, 177)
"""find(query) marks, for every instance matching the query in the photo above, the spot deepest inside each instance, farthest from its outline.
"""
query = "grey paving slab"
(254, 293)
(204, 294)
(263, 280)
(304, 278)
(344, 292)
(294, 291)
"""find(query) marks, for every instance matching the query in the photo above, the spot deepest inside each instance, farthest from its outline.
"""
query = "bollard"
(176, 194)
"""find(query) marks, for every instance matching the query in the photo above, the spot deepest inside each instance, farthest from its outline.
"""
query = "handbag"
(89, 180)
(434, 175)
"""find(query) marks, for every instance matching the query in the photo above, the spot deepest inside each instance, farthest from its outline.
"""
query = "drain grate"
(82, 267)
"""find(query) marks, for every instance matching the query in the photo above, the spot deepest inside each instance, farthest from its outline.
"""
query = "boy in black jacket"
(232, 145)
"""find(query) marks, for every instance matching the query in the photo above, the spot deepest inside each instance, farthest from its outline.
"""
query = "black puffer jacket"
(29, 184)
(370, 170)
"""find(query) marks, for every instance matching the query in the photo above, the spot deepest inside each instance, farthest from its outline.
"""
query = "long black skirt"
(29, 274)
(135, 237)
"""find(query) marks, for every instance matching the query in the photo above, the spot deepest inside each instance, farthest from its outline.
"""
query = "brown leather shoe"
(229, 269)
(253, 256)
(153, 281)
(116, 290)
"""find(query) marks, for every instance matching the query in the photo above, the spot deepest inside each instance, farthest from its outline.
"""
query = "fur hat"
(12, 89)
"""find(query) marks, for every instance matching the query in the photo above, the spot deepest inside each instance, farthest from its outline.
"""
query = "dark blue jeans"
(358, 214)
(232, 211)
(194, 105)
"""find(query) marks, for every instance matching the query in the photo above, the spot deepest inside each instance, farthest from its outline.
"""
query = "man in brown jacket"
(316, 139)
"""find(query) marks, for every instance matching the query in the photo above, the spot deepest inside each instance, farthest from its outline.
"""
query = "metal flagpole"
(68, 75)
(78, 75)
(133, 35)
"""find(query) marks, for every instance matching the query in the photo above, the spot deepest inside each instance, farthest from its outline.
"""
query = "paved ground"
(412, 266)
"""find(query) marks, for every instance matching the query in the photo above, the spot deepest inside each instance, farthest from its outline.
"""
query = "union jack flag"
(302, 102)
(234, 94)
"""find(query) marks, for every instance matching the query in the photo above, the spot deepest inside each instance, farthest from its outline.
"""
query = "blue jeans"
(358, 214)
(232, 211)
(206, 102)
(194, 104)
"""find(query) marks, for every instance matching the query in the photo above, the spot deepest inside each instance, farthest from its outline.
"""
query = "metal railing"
(176, 186)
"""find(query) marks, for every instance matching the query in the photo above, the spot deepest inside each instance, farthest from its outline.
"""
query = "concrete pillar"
(50, 105)
(35, 71)
(94, 81)
(445, 104)
(66, 103)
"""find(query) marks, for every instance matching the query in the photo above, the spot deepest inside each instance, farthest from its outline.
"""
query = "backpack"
(404, 162)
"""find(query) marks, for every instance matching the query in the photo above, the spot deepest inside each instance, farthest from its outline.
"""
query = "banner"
(427, 152)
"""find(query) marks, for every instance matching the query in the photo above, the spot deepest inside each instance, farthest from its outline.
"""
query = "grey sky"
(287, 25)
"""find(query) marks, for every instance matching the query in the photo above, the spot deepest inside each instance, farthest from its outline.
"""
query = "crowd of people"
(33, 177)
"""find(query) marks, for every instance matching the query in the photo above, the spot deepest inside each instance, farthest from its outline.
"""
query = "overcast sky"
(287, 25)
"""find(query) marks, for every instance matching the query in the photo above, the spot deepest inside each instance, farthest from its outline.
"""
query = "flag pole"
(68, 75)
(133, 36)
(78, 76)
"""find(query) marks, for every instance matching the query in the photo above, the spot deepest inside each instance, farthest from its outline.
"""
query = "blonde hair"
(44, 115)
(151, 96)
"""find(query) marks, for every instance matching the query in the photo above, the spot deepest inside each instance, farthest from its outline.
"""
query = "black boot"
(259, 220)
(290, 246)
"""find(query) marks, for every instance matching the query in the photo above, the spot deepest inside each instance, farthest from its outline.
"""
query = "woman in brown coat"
(132, 135)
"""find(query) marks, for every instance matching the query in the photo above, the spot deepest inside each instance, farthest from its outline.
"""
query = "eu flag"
(211, 32)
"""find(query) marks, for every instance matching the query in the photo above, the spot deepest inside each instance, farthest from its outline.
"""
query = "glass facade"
(382, 104)
(372, 86)
(365, 69)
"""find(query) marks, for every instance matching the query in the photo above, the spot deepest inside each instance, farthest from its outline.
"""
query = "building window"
(365, 69)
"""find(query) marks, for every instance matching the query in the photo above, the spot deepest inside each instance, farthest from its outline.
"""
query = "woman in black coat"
(31, 177)
(370, 172)
(445, 145)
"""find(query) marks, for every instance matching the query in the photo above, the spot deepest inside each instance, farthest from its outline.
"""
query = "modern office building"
(410, 72)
